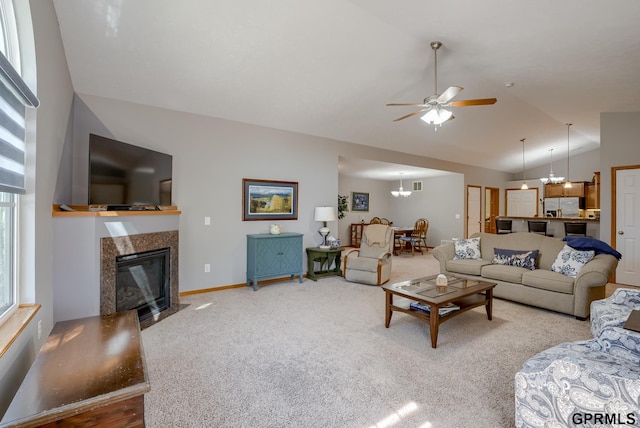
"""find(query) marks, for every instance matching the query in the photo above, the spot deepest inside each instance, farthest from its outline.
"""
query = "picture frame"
(269, 200)
(360, 201)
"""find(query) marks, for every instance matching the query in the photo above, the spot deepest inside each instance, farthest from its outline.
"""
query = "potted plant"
(343, 206)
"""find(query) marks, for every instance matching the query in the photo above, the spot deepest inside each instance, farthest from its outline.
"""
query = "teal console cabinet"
(270, 256)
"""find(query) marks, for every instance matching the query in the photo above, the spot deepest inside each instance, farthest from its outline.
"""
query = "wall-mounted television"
(122, 174)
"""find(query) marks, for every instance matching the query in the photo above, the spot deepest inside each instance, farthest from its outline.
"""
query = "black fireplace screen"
(142, 282)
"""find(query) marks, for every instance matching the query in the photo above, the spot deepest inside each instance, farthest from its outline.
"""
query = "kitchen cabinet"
(593, 193)
(577, 189)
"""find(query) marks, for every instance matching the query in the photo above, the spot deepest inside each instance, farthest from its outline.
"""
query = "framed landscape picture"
(359, 201)
(269, 200)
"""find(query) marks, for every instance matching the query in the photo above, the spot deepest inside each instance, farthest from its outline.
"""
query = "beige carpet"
(317, 354)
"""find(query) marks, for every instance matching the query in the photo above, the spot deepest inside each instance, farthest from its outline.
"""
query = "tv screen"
(124, 174)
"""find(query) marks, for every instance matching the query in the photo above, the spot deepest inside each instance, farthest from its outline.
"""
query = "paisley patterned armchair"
(586, 383)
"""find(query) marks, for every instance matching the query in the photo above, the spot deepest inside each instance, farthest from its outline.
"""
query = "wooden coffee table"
(465, 293)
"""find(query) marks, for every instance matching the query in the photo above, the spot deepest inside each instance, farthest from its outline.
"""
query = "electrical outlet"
(39, 329)
(207, 268)
(457, 216)
(207, 221)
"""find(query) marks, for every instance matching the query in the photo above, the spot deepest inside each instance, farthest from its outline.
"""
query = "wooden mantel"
(91, 211)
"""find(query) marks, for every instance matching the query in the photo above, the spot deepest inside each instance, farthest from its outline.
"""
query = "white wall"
(211, 156)
(619, 146)
(434, 203)
(44, 150)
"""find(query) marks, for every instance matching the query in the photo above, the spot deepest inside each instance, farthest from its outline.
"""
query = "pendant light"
(524, 184)
(567, 185)
(400, 191)
(552, 178)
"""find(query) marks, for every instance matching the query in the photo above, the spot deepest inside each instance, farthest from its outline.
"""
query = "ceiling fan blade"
(451, 92)
(478, 102)
(410, 114)
(408, 105)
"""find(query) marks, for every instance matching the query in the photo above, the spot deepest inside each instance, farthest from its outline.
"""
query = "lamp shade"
(325, 214)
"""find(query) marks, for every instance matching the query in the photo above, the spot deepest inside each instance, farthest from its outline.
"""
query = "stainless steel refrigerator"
(562, 207)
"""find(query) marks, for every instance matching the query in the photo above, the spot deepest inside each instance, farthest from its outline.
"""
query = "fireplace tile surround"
(111, 247)
(86, 243)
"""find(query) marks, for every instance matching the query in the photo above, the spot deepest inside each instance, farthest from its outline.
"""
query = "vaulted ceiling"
(329, 67)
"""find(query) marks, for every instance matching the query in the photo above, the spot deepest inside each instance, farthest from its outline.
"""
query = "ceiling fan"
(436, 105)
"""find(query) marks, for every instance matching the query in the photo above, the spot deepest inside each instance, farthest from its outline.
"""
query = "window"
(15, 97)
(8, 292)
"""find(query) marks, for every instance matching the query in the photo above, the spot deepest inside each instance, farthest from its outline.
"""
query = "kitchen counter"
(555, 226)
(562, 219)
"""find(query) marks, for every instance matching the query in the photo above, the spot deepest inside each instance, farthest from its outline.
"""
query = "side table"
(326, 257)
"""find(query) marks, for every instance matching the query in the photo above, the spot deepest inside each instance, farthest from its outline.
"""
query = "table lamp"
(324, 214)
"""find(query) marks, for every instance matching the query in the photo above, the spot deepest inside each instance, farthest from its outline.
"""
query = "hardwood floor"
(612, 286)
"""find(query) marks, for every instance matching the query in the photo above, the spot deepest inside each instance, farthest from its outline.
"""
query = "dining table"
(398, 232)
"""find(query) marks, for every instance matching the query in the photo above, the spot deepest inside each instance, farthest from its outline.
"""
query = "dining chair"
(418, 238)
(574, 228)
(375, 220)
(385, 221)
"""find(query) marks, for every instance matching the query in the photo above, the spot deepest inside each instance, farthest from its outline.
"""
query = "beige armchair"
(371, 263)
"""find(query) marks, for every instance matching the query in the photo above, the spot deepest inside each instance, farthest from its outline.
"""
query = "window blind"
(15, 97)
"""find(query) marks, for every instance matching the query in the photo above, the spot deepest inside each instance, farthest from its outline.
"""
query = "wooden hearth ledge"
(86, 211)
(90, 372)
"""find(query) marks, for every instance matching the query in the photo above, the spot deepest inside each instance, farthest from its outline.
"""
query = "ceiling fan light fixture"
(434, 105)
(437, 116)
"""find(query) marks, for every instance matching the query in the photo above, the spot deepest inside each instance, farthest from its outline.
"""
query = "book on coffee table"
(633, 322)
(450, 307)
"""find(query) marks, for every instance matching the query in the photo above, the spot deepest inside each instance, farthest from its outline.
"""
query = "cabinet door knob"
(621, 232)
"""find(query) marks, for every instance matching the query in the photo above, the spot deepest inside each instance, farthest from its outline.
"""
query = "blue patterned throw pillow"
(569, 261)
(522, 258)
(467, 248)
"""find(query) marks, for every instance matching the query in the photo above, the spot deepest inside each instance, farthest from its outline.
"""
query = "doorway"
(625, 223)
(491, 208)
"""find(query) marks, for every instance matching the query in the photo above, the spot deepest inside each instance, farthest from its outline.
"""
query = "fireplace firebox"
(142, 282)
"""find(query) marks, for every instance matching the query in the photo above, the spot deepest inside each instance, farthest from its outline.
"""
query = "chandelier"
(552, 178)
(400, 191)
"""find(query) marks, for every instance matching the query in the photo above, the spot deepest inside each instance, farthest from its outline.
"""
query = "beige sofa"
(539, 287)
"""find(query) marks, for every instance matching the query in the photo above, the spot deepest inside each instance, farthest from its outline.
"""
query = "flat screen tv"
(127, 175)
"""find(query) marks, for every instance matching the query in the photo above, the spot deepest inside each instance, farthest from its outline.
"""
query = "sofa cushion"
(569, 261)
(466, 266)
(547, 280)
(504, 273)
(521, 258)
(467, 248)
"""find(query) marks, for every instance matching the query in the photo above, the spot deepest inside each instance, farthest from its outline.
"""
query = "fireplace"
(140, 272)
(142, 282)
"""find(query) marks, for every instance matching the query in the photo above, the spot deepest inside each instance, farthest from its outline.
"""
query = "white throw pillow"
(467, 248)
(569, 261)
